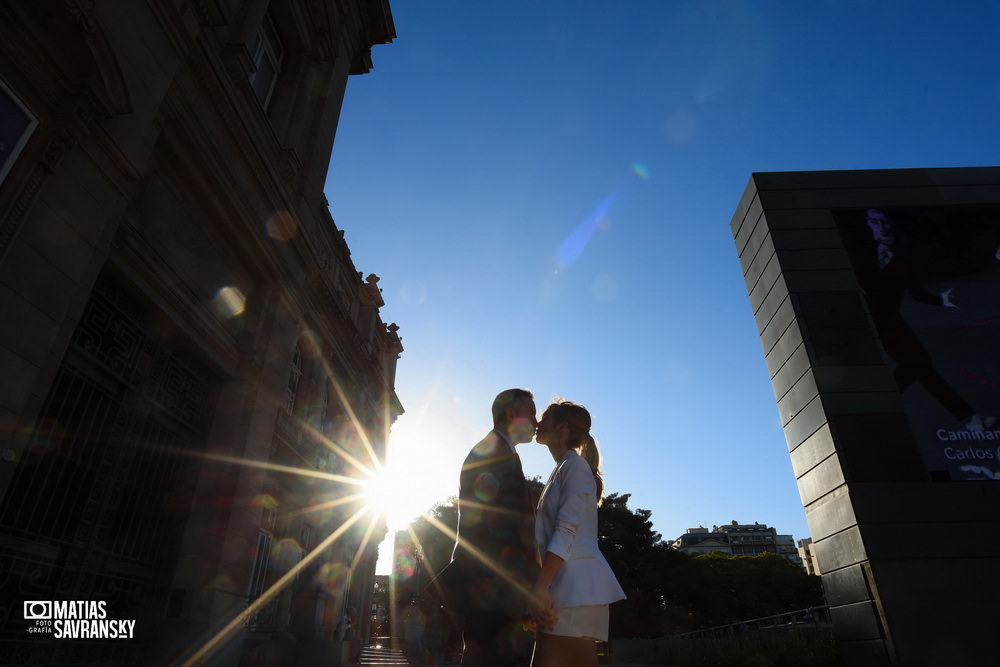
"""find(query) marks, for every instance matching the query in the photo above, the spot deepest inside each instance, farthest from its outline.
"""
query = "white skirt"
(588, 622)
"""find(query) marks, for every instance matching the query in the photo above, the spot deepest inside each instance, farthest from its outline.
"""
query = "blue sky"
(545, 189)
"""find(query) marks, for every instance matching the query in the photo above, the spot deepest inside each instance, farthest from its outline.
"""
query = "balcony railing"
(265, 618)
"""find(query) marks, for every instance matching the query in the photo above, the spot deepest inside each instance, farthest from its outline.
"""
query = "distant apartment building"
(196, 375)
(738, 540)
(807, 556)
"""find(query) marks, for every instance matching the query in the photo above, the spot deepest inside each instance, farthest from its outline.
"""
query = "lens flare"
(573, 246)
(286, 553)
(405, 564)
(680, 127)
(263, 501)
(332, 577)
(282, 226)
(229, 302)
(604, 287)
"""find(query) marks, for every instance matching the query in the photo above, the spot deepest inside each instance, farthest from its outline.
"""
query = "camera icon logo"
(37, 610)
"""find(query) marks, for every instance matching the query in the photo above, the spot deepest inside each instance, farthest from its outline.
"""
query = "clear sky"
(545, 189)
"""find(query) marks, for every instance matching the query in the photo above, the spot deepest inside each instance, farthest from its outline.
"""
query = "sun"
(381, 491)
(392, 492)
(415, 477)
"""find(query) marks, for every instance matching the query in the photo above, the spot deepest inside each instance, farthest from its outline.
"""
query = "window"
(294, 375)
(267, 55)
(269, 516)
(16, 125)
(261, 564)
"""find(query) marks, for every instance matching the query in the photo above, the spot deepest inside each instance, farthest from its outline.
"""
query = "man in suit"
(495, 560)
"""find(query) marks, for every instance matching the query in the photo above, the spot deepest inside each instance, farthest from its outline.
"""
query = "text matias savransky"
(76, 619)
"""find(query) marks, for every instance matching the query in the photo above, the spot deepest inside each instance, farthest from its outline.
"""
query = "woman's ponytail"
(592, 455)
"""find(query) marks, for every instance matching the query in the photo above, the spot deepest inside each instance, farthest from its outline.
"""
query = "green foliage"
(643, 564)
(734, 588)
(423, 549)
(435, 533)
(672, 593)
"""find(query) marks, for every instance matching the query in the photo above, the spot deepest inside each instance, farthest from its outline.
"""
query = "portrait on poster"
(931, 279)
(16, 125)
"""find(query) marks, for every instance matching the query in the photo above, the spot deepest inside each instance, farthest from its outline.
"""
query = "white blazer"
(566, 525)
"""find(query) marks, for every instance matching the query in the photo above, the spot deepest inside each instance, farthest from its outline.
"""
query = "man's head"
(514, 414)
(881, 226)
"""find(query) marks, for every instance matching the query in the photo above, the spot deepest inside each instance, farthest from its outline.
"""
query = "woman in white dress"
(576, 584)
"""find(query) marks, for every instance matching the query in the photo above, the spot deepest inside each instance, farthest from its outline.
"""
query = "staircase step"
(383, 657)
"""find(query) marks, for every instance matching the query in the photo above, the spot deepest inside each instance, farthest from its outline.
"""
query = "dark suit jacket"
(494, 562)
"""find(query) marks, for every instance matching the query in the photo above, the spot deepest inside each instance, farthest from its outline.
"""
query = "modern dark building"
(196, 377)
(877, 299)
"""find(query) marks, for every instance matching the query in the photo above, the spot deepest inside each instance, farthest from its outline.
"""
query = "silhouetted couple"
(511, 571)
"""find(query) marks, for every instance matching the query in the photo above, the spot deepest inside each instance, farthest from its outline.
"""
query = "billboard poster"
(16, 125)
(931, 280)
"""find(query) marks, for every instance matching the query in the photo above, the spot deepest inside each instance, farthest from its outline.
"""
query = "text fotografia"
(76, 619)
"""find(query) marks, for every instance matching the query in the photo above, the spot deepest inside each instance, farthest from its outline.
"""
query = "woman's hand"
(542, 613)
(543, 607)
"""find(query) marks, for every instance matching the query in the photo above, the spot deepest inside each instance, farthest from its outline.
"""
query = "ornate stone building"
(195, 376)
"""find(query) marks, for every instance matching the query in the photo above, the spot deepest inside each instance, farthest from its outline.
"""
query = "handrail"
(813, 612)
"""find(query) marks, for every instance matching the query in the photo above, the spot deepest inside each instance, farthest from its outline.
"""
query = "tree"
(643, 563)
(670, 592)
(734, 588)
(423, 549)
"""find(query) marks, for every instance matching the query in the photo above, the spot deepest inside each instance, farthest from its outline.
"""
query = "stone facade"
(196, 376)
